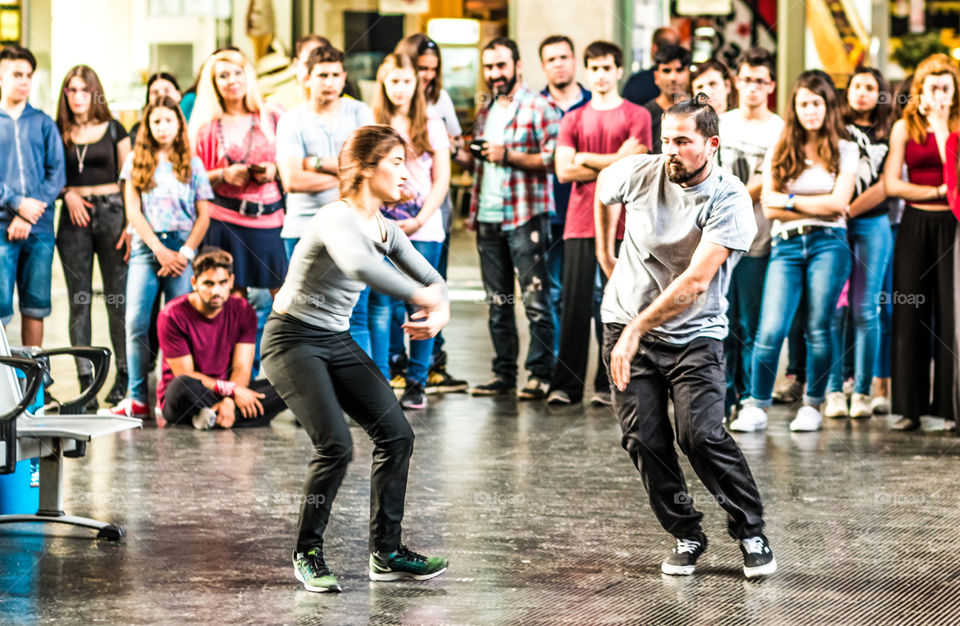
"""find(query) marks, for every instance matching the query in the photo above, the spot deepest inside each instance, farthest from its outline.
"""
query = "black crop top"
(99, 158)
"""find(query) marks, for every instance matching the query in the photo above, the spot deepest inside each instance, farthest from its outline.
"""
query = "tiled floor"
(539, 510)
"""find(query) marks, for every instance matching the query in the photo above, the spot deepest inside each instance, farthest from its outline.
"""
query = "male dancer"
(663, 313)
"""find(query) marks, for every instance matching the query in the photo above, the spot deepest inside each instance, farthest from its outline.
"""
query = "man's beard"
(684, 175)
(563, 85)
(503, 87)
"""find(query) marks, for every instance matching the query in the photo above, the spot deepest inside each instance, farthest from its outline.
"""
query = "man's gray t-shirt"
(301, 133)
(664, 225)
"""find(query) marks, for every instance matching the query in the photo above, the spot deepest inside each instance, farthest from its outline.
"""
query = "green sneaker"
(311, 569)
(404, 563)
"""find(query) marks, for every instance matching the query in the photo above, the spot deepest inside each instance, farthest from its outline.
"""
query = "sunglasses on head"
(427, 44)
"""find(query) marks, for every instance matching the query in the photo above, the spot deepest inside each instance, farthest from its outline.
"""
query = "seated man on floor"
(208, 338)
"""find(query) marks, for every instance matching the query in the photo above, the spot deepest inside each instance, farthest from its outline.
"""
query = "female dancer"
(93, 223)
(320, 371)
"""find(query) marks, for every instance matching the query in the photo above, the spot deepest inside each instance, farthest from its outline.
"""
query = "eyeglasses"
(759, 82)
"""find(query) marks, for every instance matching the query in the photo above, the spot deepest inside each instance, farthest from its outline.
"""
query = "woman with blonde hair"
(166, 193)
(399, 103)
(92, 220)
(235, 137)
(923, 273)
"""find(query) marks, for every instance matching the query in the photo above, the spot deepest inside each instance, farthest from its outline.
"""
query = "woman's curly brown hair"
(146, 148)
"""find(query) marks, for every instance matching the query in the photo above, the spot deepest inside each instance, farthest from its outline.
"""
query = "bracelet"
(226, 388)
(503, 161)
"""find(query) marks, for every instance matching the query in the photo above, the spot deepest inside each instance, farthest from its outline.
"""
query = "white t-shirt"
(743, 149)
(443, 109)
(420, 178)
(816, 180)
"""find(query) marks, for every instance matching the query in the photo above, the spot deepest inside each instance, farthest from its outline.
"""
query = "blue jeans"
(871, 245)
(882, 368)
(745, 297)
(142, 287)
(262, 302)
(384, 325)
(555, 270)
(26, 264)
(506, 257)
(815, 265)
(289, 243)
(360, 322)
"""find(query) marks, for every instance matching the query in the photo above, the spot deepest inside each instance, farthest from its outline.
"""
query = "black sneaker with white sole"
(757, 557)
(683, 558)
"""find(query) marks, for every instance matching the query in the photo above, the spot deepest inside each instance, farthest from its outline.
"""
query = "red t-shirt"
(599, 132)
(950, 174)
(182, 330)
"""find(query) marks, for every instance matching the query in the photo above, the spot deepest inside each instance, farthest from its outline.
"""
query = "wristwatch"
(188, 253)
(317, 164)
(791, 202)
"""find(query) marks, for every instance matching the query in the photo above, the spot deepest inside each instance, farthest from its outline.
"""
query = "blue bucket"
(19, 491)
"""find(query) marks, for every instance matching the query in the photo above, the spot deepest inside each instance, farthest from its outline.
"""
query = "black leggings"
(317, 372)
(185, 395)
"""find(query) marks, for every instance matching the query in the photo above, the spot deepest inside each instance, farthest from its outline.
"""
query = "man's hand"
(622, 356)
(248, 401)
(607, 262)
(494, 153)
(18, 229)
(226, 413)
(31, 209)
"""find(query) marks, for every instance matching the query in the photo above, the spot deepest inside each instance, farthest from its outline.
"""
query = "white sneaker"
(860, 405)
(808, 419)
(749, 419)
(880, 405)
(836, 404)
(205, 419)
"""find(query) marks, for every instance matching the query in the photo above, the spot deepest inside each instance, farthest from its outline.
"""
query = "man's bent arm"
(684, 290)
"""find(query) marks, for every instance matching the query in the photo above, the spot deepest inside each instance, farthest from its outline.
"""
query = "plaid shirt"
(533, 130)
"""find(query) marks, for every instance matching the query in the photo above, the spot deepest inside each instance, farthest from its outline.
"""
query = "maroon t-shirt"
(182, 330)
(599, 132)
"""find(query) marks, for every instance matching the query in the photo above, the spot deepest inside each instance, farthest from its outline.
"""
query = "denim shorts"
(28, 265)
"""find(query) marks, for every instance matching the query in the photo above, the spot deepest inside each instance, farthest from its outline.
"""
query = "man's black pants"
(693, 375)
(185, 396)
(579, 310)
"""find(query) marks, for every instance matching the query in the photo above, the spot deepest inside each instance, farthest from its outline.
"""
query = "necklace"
(81, 156)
